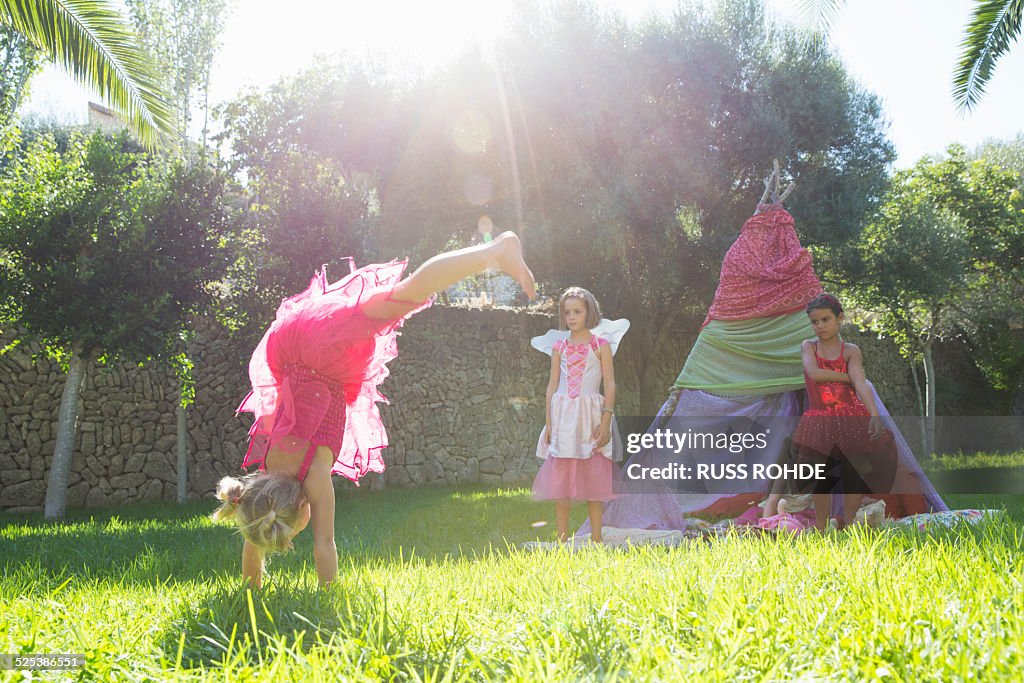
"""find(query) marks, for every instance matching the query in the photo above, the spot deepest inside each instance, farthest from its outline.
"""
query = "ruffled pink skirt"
(590, 479)
(322, 351)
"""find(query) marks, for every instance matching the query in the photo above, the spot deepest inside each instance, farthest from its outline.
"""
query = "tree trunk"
(1017, 406)
(929, 415)
(67, 427)
(182, 415)
(1017, 410)
(652, 396)
(920, 403)
(206, 112)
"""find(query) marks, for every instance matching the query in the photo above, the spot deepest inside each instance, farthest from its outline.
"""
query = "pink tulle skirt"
(588, 479)
(321, 350)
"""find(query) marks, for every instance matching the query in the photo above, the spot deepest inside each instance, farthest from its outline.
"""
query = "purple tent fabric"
(666, 506)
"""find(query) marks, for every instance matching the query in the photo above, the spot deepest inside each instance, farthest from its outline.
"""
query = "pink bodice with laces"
(580, 369)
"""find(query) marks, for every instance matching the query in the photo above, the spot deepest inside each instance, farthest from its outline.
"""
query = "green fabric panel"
(748, 357)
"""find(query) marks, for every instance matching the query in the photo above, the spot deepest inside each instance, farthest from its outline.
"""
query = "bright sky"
(902, 50)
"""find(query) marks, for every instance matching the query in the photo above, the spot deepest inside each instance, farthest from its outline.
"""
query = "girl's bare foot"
(509, 258)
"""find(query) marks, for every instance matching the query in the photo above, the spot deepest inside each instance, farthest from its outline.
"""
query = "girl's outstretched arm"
(814, 372)
(855, 364)
(553, 377)
(604, 433)
(252, 565)
(319, 491)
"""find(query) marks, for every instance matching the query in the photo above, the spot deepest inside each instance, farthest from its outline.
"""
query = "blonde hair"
(593, 308)
(266, 505)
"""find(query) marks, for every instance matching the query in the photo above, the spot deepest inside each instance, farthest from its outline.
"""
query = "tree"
(938, 260)
(993, 317)
(993, 27)
(106, 250)
(916, 259)
(1008, 155)
(19, 61)
(91, 41)
(647, 146)
(302, 214)
(987, 199)
(317, 151)
(182, 36)
(627, 156)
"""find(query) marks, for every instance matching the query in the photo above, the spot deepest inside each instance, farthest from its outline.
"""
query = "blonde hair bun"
(228, 491)
(265, 505)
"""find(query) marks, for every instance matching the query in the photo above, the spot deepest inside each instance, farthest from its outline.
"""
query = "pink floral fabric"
(765, 272)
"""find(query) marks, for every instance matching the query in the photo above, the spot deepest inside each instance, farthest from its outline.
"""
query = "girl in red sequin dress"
(314, 392)
(841, 426)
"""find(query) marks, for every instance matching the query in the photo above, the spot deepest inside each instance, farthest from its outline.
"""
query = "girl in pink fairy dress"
(841, 425)
(580, 441)
(314, 392)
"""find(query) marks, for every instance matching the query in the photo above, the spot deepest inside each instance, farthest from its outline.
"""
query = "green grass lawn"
(433, 587)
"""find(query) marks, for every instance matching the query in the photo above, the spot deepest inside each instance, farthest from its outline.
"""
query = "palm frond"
(92, 41)
(819, 16)
(995, 24)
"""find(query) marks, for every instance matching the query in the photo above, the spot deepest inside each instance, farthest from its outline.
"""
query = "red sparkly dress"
(315, 373)
(834, 427)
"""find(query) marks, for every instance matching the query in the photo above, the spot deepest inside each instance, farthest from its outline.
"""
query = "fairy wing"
(611, 330)
(545, 343)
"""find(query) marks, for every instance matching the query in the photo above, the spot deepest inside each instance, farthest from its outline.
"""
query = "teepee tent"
(745, 373)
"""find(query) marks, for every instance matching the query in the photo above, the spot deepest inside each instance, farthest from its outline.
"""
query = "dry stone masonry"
(468, 407)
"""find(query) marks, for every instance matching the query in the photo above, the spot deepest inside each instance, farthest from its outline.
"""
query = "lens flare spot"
(471, 132)
(486, 228)
(478, 189)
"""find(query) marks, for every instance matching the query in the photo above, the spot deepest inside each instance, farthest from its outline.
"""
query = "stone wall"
(468, 407)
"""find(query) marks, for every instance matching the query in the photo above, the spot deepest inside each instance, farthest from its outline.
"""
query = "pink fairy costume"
(574, 467)
(835, 426)
(315, 373)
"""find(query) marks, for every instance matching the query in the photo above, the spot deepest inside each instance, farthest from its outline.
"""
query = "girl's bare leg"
(851, 503)
(595, 509)
(822, 510)
(503, 252)
(562, 519)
